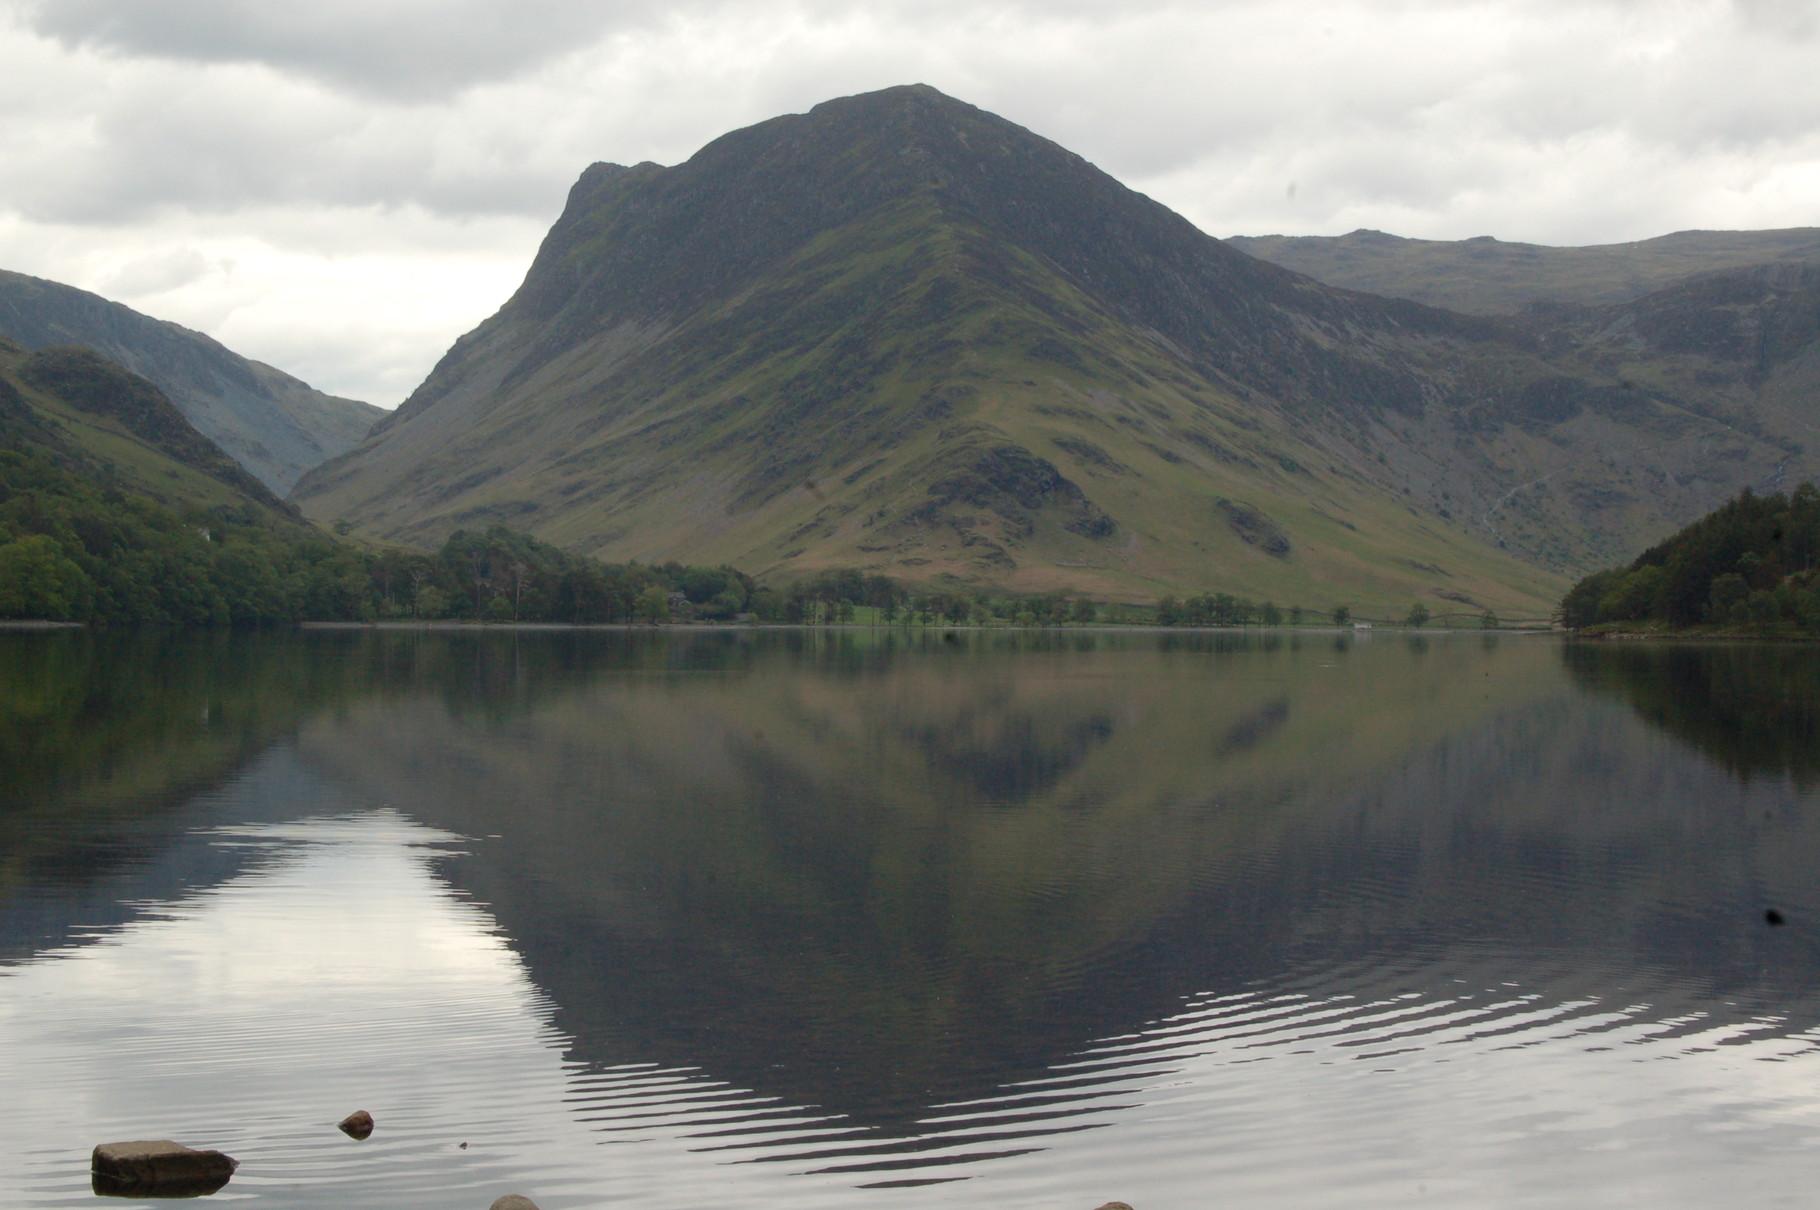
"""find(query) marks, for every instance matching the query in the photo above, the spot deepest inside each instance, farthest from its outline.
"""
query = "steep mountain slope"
(272, 424)
(903, 334)
(91, 417)
(1486, 276)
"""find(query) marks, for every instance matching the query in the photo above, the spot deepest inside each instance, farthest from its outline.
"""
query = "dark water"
(786, 919)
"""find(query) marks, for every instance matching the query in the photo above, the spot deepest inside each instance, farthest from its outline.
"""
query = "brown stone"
(513, 1201)
(158, 1168)
(1115, 1206)
(357, 1125)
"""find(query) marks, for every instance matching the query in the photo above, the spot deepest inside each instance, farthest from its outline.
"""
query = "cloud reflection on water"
(336, 973)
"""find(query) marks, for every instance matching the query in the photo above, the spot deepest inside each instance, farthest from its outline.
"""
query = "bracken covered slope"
(903, 334)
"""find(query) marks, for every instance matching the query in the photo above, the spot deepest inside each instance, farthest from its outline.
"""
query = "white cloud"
(396, 161)
(355, 302)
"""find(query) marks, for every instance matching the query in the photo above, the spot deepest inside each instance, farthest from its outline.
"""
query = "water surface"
(791, 918)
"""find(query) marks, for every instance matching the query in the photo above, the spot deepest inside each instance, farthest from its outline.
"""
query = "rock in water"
(1115, 1206)
(158, 1168)
(513, 1201)
(357, 1125)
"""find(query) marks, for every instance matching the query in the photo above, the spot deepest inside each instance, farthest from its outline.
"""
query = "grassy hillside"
(905, 394)
(901, 334)
(271, 423)
(114, 509)
(96, 419)
(1486, 276)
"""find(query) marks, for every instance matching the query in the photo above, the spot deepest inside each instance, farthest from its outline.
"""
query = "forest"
(72, 549)
(1747, 568)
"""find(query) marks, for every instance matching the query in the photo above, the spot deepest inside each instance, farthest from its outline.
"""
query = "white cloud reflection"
(340, 972)
(337, 974)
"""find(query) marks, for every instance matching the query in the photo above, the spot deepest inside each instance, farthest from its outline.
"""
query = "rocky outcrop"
(1255, 529)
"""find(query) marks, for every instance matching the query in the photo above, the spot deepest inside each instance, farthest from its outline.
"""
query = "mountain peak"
(903, 97)
(898, 333)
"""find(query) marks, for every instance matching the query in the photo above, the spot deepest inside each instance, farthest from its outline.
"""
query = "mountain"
(105, 424)
(269, 422)
(1486, 276)
(902, 334)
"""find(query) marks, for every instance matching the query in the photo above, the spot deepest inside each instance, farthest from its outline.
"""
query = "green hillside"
(905, 394)
(97, 419)
(903, 335)
(995, 371)
(114, 509)
(272, 424)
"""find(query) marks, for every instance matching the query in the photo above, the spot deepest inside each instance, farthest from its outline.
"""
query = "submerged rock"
(513, 1201)
(357, 1125)
(158, 1168)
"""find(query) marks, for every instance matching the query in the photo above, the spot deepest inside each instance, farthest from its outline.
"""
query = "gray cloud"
(394, 48)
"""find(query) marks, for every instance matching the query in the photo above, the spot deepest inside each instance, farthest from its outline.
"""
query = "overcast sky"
(342, 187)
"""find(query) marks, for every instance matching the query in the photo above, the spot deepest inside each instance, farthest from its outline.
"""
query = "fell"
(903, 335)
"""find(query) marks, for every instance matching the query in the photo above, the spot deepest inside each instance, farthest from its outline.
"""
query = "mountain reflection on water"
(906, 909)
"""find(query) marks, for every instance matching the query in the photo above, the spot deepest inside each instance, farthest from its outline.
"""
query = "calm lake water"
(785, 919)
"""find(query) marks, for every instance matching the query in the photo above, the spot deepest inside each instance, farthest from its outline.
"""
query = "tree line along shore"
(1747, 568)
(75, 548)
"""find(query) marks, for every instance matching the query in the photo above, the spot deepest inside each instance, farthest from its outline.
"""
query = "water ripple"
(1159, 1071)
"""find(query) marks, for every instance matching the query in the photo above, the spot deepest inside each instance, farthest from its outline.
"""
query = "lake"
(769, 919)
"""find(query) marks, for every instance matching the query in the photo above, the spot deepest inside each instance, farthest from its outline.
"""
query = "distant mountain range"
(1486, 276)
(902, 334)
(269, 422)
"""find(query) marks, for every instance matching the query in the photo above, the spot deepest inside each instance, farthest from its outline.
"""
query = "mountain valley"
(271, 423)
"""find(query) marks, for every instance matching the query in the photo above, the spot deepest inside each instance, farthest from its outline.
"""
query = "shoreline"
(465, 626)
(1685, 636)
(863, 628)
